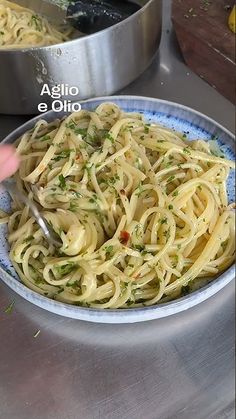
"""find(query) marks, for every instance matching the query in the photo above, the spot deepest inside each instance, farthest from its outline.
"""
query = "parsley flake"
(109, 137)
(62, 182)
(9, 308)
(186, 150)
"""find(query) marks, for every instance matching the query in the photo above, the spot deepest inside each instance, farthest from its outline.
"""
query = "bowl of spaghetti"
(140, 193)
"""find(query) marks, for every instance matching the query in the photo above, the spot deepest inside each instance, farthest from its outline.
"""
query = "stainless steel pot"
(98, 64)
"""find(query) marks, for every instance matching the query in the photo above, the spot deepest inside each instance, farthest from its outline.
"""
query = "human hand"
(9, 161)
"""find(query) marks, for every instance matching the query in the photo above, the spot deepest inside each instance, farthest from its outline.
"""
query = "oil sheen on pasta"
(21, 28)
(142, 213)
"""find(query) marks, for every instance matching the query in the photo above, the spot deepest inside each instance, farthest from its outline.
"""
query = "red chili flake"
(77, 157)
(136, 276)
(124, 237)
(122, 192)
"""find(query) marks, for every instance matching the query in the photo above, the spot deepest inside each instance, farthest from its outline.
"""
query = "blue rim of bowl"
(128, 315)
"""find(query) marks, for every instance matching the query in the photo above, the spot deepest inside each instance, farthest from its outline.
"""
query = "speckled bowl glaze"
(174, 116)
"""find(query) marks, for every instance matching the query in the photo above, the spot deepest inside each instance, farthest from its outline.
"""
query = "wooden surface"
(207, 44)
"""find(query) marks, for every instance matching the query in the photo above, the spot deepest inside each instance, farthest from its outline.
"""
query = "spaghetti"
(22, 28)
(141, 212)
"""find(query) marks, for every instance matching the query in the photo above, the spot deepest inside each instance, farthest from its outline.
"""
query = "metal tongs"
(49, 233)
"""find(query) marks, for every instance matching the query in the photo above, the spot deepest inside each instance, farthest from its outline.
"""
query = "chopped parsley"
(28, 239)
(138, 230)
(65, 269)
(139, 190)
(45, 138)
(73, 206)
(74, 285)
(62, 182)
(80, 131)
(138, 163)
(37, 22)
(71, 125)
(88, 168)
(9, 308)
(124, 286)
(109, 250)
(39, 281)
(139, 247)
(63, 155)
(163, 220)
(109, 137)
(78, 194)
(60, 291)
(94, 200)
(170, 179)
(186, 150)
(166, 233)
(113, 179)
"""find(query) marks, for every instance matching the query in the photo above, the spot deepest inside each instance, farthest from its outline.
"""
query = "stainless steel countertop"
(180, 367)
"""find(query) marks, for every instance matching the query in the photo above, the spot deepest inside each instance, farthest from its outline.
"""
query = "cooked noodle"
(22, 28)
(142, 213)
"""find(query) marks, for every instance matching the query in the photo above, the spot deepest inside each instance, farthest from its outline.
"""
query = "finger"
(9, 161)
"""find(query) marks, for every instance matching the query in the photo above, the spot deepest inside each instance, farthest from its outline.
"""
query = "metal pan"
(98, 64)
